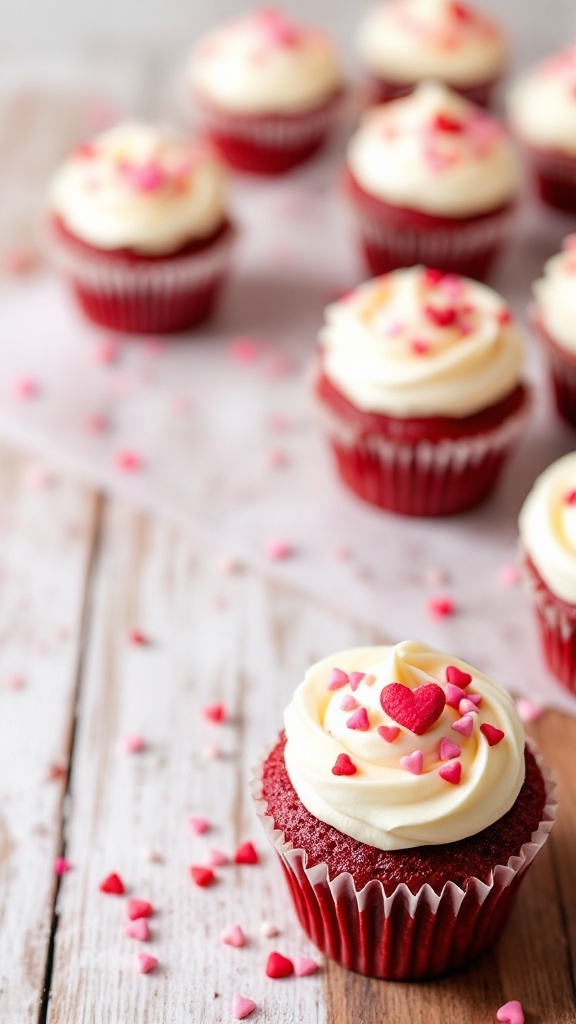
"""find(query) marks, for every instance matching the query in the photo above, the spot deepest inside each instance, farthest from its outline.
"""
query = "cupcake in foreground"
(419, 383)
(405, 808)
(267, 89)
(547, 527)
(403, 42)
(542, 112)
(137, 223)
(555, 315)
(432, 179)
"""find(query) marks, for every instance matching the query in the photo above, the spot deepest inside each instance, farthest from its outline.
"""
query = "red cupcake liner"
(142, 295)
(422, 476)
(382, 90)
(562, 365)
(556, 625)
(268, 144)
(393, 236)
(555, 176)
(402, 936)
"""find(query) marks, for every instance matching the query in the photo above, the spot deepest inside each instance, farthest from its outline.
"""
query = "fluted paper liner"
(403, 935)
(557, 626)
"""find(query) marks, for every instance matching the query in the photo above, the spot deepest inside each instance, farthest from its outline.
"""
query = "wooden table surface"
(78, 574)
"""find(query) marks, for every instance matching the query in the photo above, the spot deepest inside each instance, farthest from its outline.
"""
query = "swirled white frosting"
(542, 104)
(555, 295)
(434, 151)
(415, 343)
(138, 187)
(547, 526)
(408, 40)
(265, 64)
(383, 804)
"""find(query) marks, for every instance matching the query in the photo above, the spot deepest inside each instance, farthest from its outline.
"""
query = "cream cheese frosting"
(435, 152)
(547, 527)
(394, 796)
(265, 64)
(416, 342)
(542, 104)
(408, 40)
(555, 295)
(138, 187)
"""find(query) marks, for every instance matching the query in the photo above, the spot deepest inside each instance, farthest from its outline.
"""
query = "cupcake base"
(555, 175)
(138, 294)
(556, 625)
(428, 466)
(268, 144)
(385, 927)
(382, 90)
(562, 366)
(393, 236)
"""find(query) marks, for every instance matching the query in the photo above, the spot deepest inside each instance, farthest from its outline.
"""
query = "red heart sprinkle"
(202, 876)
(344, 766)
(432, 276)
(416, 710)
(451, 772)
(570, 497)
(461, 12)
(445, 123)
(278, 966)
(246, 854)
(113, 885)
(139, 908)
(388, 732)
(215, 713)
(492, 734)
(457, 677)
(441, 317)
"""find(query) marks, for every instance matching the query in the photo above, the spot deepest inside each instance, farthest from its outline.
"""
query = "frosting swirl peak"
(402, 788)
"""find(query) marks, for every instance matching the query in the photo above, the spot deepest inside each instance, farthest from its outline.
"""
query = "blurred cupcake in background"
(419, 385)
(555, 315)
(542, 111)
(137, 223)
(403, 42)
(547, 527)
(266, 89)
(432, 179)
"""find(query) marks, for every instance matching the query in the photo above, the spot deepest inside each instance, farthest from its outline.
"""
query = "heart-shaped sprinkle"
(233, 936)
(246, 854)
(492, 734)
(113, 885)
(197, 826)
(355, 679)
(242, 1007)
(344, 766)
(202, 876)
(464, 725)
(348, 702)
(528, 711)
(278, 966)
(388, 732)
(139, 930)
(303, 966)
(440, 317)
(475, 698)
(454, 694)
(139, 908)
(144, 963)
(511, 1013)
(416, 710)
(448, 750)
(216, 858)
(456, 676)
(359, 720)
(467, 707)
(337, 679)
(413, 763)
(369, 679)
(451, 772)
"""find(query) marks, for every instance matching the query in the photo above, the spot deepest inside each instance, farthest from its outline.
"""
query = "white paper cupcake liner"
(271, 131)
(402, 935)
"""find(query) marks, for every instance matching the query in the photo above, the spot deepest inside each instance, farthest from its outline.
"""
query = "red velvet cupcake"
(555, 316)
(431, 179)
(418, 382)
(267, 91)
(548, 540)
(138, 226)
(405, 809)
(404, 42)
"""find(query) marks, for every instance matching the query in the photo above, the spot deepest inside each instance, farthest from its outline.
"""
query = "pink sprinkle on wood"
(127, 461)
(197, 826)
(244, 350)
(138, 639)
(388, 732)
(451, 772)
(413, 763)
(133, 744)
(348, 702)
(341, 553)
(139, 930)
(511, 1013)
(25, 388)
(509, 575)
(16, 261)
(144, 963)
(269, 930)
(304, 966)
(278, 966)
(211, 751)
(215, 713)
(106, 352)
(449, 750)
(337, 679)
(344, 766)
(233, 936)
(440, 607)
(139, 908)
(16, 683)
(201, 876)
(355, 680)
(216, 858)
(242, 1007)
(96, 424)
(528, 711)
(246, 854)
(61, 866)
(277, 549)
(359, 720)
(277, 458)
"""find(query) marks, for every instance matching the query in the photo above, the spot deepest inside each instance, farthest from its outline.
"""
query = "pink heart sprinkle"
(132, 743)
(528, 711)
(420, 348)
(570, 497)
(269, 930)
(474, 698)
(454, 694)
(456, 676)
(215, 713)
(467, 707)
(144, 963)
(388, 732)
(61, 866)
(359, 720)
(440, 607)
(413, 763)
(216, 858)
(303, 966)
(509, 575)
(511, 1013)
(24, 387)
(242, 1007)
(233, 936)
(355, 680)
(106, 352)
(197, 826)
(464, 725)
(449, 750)
(277, 549)
(337, 679)
(451, 772)
(348, 702)
(243, 350)
(127, 461)
(139, 930)
(139, 908)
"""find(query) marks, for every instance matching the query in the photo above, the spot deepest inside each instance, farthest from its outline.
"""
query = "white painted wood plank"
(250, 655)
(45, 542)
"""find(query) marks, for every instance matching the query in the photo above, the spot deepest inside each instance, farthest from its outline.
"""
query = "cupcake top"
(542, 104)
(555, 295)
(408, 40)
(403, 746)
(417, 342)
(435, 152)
(265, 64)
(141, 188)
(547, 526)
